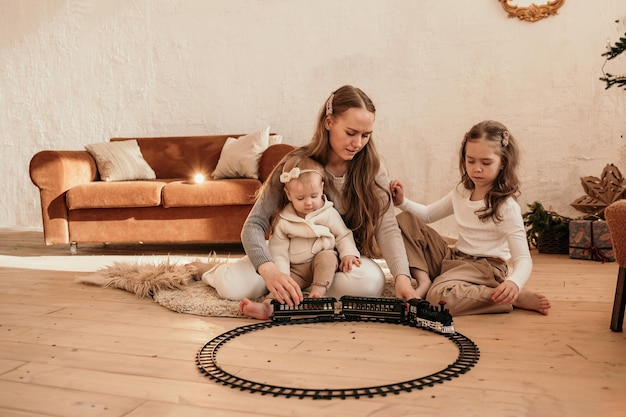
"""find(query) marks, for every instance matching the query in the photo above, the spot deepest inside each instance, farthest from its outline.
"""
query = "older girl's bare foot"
(255, 310)
(529, 300)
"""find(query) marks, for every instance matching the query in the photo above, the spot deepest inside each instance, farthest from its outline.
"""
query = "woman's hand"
(404, 289)
(505, 293)
(281, 286)
(397, 192)
(347, 262)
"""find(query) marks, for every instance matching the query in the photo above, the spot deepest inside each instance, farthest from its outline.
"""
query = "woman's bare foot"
(529, 300)
(255, 310)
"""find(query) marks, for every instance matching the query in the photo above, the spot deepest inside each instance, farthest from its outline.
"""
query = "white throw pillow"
(240, 157)
(120, 161)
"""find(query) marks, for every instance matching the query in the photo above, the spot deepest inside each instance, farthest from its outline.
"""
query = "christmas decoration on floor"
(589, 237)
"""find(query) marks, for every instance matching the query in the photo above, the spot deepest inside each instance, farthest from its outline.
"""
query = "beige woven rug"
(172, 286)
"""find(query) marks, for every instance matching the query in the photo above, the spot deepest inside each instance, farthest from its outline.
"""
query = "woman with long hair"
(358, 186)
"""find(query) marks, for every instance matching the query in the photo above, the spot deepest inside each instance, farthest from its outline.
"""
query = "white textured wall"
(75, 72)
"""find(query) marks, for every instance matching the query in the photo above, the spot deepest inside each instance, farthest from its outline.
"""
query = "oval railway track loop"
(206, 360)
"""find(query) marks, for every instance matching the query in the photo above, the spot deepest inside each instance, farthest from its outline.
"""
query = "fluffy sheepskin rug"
(171, 285)
(142, 279)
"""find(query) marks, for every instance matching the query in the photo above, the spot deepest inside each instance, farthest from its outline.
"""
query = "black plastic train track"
(207, 363)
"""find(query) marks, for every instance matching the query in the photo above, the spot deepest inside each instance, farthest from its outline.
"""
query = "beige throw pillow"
(240, 157)
(275, 140)
(120, 161)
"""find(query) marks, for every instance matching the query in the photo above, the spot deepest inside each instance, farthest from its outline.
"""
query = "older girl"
(473, 276)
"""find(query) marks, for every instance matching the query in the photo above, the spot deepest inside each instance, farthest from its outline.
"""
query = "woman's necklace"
(335, 169)
(332, 174)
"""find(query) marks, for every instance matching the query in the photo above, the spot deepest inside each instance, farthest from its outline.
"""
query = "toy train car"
(322, 309)
(368, 308)
(418, 313)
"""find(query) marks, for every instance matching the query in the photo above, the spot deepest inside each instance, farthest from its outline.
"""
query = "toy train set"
(417, 313)
(414, 312)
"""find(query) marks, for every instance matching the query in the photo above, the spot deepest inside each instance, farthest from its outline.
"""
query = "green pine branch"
(614, 51)
(618, 48)
(611, 80)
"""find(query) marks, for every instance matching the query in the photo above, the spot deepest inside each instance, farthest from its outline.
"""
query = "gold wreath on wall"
(533, 12)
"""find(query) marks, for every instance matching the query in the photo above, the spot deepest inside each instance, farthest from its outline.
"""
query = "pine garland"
(618, 48)
(614, 51)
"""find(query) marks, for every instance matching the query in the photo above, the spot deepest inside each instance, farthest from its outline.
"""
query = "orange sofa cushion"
(102, 194)
(230, 192)
(168, 193)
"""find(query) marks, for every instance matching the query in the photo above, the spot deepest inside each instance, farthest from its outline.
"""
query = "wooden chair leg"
(617, 319)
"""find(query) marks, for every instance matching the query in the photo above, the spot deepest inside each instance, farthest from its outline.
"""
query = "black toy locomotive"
(415, 312)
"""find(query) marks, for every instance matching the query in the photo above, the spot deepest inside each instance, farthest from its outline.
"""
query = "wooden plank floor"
(68, 349)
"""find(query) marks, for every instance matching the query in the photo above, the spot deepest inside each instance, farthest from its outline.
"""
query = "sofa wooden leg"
(73, 248)
(617, 319)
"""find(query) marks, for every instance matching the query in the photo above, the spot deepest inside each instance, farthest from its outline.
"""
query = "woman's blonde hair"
(507, 183)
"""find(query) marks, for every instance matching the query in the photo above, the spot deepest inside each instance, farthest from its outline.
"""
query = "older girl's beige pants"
(464, 282)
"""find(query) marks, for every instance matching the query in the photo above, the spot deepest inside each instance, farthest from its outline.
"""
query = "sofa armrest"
(55, 172)
(271, 157)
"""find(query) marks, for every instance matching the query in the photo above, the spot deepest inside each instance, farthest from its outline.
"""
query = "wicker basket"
(552, 243)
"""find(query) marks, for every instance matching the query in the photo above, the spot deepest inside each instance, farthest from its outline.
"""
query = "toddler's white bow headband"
(295, 173)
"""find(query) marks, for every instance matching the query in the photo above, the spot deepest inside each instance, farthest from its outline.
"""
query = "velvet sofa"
(78, 206)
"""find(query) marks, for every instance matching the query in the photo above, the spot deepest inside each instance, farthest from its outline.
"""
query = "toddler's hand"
(347, 262)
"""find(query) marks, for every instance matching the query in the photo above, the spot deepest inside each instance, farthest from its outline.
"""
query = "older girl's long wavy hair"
(364, 199)
(507, 183)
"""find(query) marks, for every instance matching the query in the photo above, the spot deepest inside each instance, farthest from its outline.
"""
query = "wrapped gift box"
(590, 239)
